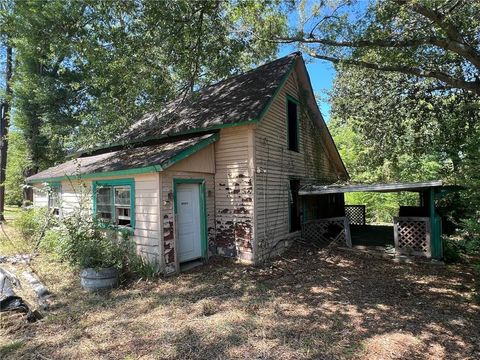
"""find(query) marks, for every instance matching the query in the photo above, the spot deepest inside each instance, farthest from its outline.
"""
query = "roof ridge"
(293, 54)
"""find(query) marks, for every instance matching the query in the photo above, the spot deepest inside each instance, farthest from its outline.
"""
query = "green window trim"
(289, 98)
(203, 209)
(113, 184)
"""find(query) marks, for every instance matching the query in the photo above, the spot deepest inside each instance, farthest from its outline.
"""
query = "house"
(215, 173)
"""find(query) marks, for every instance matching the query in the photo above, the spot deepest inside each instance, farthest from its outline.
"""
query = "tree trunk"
(4, 131)
(28, 190)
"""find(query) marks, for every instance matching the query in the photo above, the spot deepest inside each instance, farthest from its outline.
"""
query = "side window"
(292, 123)
(54, 196)
(113, 202)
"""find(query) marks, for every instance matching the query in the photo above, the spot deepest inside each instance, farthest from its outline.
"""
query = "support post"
(436, 240)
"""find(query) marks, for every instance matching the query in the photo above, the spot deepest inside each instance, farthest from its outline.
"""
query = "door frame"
(203, 212)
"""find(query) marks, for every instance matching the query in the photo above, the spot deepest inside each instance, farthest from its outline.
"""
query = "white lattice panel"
(355, 214)
(326, 231)
(412, 236)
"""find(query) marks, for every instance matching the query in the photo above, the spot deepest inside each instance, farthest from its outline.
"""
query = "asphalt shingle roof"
(159, 155)
(234, 100)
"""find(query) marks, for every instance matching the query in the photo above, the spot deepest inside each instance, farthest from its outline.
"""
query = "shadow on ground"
(309, 304)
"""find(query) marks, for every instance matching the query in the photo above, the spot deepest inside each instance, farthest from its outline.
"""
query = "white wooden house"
(216, 173)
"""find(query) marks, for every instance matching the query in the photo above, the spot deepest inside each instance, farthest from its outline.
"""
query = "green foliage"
(417, 38)
(390, 127)
(452, 249)
(30, 222)
(471, 233)
(17, 163)
(86, 69)
(84, 243)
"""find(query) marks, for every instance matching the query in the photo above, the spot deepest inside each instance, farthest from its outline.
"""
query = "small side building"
(216, 173)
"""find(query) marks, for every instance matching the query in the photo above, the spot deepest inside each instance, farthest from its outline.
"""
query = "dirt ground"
(305, 305)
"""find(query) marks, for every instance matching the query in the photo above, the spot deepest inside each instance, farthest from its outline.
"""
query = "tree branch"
(473, 86)
(468, 53)
(455, 41)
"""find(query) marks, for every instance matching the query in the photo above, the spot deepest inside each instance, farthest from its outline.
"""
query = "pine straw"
(307, 305)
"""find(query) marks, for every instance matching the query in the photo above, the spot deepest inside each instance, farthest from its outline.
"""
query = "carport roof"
(379, 187)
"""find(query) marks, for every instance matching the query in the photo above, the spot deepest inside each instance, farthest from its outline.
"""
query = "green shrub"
(86, 244)
(83, 242)
(30, 222)
(452, 248)
(51, 240)
(471, 233)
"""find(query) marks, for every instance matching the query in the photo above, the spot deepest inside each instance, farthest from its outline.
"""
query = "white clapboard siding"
(147, 208)
(40, 195)
(278, 165)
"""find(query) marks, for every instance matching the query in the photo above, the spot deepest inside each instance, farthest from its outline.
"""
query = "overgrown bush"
(471, 233)
(84, 245)
(453, 248)
(84, 242)
(31, 222)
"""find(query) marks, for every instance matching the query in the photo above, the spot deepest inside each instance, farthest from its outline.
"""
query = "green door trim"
(203, 209)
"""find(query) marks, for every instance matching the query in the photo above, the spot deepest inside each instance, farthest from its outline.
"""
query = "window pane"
(54, 199)
(123, 216)
(104, 203)
(122, 195)
(104, 196)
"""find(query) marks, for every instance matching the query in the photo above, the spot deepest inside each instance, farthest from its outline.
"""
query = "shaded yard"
(307, 305)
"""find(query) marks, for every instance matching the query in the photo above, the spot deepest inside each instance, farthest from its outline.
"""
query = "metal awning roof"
(385, 187)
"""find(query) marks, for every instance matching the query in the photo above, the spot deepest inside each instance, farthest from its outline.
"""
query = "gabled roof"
(137, 160)
(239, 100)
(233, 101)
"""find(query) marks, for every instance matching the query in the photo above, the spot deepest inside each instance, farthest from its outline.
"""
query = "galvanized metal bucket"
(98, 279)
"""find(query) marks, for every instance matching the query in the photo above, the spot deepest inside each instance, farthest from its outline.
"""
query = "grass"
(11, 212)
(10, 240)
(9, 348)
(304, 306)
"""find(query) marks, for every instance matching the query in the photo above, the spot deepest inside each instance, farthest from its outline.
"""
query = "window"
(113, 202)
(54, 196)
(292, 123)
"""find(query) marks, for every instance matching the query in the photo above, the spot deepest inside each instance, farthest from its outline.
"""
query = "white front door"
(188, 222)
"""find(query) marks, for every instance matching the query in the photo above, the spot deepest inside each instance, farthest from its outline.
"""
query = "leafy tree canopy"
(86, 69)
(391, 127)
(437, 39)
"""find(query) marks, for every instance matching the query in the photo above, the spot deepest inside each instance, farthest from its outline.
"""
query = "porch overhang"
(379, 187)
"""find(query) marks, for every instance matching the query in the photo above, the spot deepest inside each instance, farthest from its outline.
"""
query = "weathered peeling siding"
(234, 193)
(277, 165)
(168, 216)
